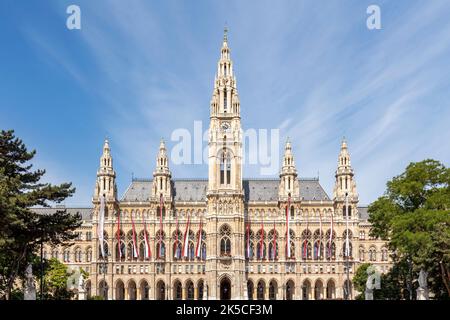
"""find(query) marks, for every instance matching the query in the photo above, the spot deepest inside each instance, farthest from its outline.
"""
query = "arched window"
(225, 168)
(120, 256)
(344, 249)
(189, 291)
(331, 251)
(66, 256)
(260, 290)
(225, 99)
(344, 212)
(306, 250)
(177, 291)
(203, 252)
(191, 251)
(103, 290)
(225, 246)
(292, 212)
(361, 254)
(250, 290)
(129, 246)
(250, 254)
(384, 254)
(160, 245)
(177, 250)
(200, 290)
(318, 250)
(372, 254)
(89, 254)
(78, 255)
(105, 249)
(260, 251)
(160, 290)
(273, 290)
(225, 242)
(145, 290)
(273, 248)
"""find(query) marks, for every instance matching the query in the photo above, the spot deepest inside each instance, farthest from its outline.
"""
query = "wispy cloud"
(312, 70)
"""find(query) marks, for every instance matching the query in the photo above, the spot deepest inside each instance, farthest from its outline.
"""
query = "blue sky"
(137, 70)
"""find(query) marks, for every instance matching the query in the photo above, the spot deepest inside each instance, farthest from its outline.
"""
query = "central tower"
(225, 263)
(225, 144)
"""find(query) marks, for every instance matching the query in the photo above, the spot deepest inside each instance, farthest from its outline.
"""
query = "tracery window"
(225, 242)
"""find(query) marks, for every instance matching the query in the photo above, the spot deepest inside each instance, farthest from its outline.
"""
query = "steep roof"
(195, 190)
(86, 213)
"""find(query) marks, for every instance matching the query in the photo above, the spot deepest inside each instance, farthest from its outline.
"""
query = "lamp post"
(42, 264)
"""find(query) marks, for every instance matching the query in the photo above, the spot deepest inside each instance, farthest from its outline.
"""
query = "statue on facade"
(373, 282)
(30, 287)
(422, 291)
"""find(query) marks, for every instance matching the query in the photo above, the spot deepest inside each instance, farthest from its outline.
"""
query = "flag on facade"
(119, 240)
(101, 225)
(135, 250)
(331, 238)
(274, 242)
(248, 239)
(261, 241)
(288, 234)
(305, 243)
(347, 245)
(160, 226)
(320, 235)
(176, 253)
(199, 240)
(186, 239)
(148, 251)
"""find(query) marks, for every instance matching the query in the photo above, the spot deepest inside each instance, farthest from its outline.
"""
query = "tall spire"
(106, 176)
(345, 183)
(225, 34)
(225, 137)
(225, 97)
(288, 176)
(162, 174)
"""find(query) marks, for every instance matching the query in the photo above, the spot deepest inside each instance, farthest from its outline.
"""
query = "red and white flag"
(198, 249)
(288, 234)
(186, 239)
(248, 239)
(330, 241)
(101, 225)
(161, 203)
(305, 243)
(135, 249)
(119, 240)
(320, 235)
(148, 252)
(176, 253)
(261, 242)
(274, 243)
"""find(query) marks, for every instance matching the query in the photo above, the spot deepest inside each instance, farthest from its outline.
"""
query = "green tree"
(21, 229)
(359, 280)
(55, 279)
(413, 216)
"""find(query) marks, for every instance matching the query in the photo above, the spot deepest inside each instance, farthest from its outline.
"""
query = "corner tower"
(345, 185)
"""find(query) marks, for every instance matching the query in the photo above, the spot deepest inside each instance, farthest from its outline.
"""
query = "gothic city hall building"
(223, 237)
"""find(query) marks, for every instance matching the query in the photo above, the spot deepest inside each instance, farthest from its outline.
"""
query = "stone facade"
(227, 226)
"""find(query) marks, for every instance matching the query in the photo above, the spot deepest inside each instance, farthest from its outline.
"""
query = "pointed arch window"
(225, 100)
(225, 168)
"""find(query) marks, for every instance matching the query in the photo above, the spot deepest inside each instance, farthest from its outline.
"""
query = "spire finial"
(225, 33)
(162, 144)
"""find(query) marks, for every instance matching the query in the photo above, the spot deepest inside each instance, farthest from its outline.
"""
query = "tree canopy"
(22, 230)
(413, 216)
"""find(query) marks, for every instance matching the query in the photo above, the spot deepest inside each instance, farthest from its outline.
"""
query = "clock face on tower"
(225, 126)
